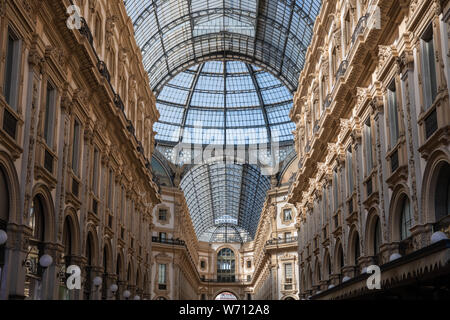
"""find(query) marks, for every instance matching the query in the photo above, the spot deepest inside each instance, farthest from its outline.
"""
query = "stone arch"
(339, 259)
(92, 240)
(369, 234)
(318, 276)
(107, 261)
(397, 199)
(327, 265)
(222, 290)
(11, 184)
(436, 162)
(120, 269)
(130, 272)
(354, 248)
(43, 195)
(71, 222)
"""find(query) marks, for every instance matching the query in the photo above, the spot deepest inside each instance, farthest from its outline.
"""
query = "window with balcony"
(12, 69)
(429, 80)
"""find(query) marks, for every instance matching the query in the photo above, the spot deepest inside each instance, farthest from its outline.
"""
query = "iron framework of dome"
(225, 200)
(222, 103)
(177, 34)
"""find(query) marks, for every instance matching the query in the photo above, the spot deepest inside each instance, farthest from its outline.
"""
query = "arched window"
(226, 265)
(377, 237)
(442, 193)
(405, 219)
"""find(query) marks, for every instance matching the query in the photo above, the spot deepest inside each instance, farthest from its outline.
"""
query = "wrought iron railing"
(281, 241)
(342, 69)
(360, 27)
(327, 101)
(177, 242)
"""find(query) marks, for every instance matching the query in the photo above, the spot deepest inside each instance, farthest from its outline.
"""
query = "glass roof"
(224, 102)
(176, 34)
(225, 200)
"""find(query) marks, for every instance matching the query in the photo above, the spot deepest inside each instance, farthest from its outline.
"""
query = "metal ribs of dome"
(221, 194)
(177, 34)
(224, 103)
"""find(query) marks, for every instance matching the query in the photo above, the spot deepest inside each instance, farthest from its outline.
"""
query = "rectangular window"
(162, 236)
(350, 171)
(162, 214)
(95, 172)
(324, 202)
(288, 272)
(335, 189)
(287, 236)
(11, 85)
(334, 61)
(429, 68)
(287, 214)
(110, 189)
(98, 31)
(76, 147)
(49, 115)
(162, 274)
(393, 114)
(249, 263)
(348, 32)
(122, 205)
(368, 146)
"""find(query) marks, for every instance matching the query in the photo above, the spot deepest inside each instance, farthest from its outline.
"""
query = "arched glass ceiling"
(176, 34)
(225, 195)
(224, 102)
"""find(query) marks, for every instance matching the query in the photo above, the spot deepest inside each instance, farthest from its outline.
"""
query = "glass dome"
(224, 103)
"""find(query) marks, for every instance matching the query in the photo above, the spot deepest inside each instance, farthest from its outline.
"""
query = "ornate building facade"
(76, 114)
(98, 116)
(372, 137)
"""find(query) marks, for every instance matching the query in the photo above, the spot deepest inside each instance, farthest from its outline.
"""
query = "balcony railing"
(226, 279)
(176, 242)
(281, 241)
(342, 69)
(327, 101)
(360, 27)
